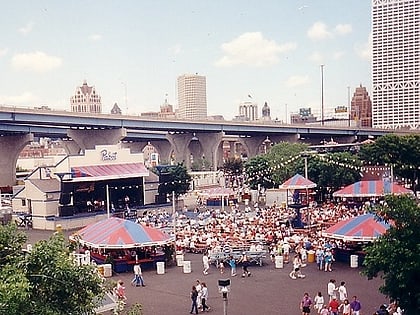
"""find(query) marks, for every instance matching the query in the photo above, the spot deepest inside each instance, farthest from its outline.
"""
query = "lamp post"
(322, 95)
(224, 288)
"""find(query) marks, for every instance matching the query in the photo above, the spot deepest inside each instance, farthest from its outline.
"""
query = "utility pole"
(322, 95)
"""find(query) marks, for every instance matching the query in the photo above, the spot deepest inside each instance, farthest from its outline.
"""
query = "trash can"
(107, 270)
(311, 256)
(180, 260)
(160, 267)
(187, 266)
(354, 261)
(278, 262)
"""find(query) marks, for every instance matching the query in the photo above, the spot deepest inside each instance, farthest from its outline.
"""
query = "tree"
(45, 280)
(176, 179)
(258, 172)
(402, 152)
(396, 254)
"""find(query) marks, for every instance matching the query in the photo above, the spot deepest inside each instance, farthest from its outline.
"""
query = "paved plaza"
(267, 291)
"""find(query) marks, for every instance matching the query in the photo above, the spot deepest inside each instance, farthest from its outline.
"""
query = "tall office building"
(192, 97)
(86, 100)
(396, 63)
(248, 110)
(361, 107)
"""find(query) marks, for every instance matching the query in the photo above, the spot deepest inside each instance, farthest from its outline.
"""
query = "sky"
(132, 51)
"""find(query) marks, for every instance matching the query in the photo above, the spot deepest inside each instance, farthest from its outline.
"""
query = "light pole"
(224, 288)
(322, 95)
(348, 103)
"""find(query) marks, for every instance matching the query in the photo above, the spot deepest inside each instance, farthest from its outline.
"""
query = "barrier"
(311, 256)
(278, 262)
(160, 267)
(187, 266)
(180, 260)
(354, 261)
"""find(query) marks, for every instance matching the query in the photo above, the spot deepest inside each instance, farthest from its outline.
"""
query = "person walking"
(333, 306)
(305, 304)
(232, 264)
(120, 291)
(331, 289)
(355, 306)
(319, 302)
(138, 276)
(194, 297)
(206, 264)
(245, 264)
(342, 291)
(345, 307)
(204, 297)
(199, 288)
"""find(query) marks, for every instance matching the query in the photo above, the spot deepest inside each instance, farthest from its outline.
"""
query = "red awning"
(108, 171)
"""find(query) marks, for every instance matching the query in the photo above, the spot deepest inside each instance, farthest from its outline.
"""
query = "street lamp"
(224, 288)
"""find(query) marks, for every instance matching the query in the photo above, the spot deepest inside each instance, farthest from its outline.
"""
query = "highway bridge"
(170, 137)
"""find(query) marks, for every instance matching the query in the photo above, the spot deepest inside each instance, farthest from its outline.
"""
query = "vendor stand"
(123, 242)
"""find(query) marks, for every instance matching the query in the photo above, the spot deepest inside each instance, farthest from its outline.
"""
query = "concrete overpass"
(182, 139)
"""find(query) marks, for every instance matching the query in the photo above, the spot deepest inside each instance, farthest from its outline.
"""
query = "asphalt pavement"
(267, 291)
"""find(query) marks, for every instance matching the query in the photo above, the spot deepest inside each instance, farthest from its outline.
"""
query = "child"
(222, 267)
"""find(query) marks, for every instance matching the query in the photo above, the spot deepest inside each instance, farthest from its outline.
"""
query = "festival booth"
(81, 189)
(371, 188)
(219, 196)
(122, 242)
(300, 187)
(355, 232)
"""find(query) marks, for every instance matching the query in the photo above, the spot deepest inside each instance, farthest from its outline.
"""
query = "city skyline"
(133, 52)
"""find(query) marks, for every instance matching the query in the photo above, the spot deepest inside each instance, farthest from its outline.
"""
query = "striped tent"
(297, 182)
(365, 228)
(120, 233)
(372, 188)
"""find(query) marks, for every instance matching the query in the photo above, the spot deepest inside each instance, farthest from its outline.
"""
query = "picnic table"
(256, 258)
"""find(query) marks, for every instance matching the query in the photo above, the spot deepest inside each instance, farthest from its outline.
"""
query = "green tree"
(402, 152)
(176, 179)
(258, 172)
(45, 280)
(396, 254)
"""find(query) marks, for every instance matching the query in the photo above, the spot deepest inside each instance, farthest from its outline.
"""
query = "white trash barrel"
(107, 270)
(160, 267)
(278, 262)
(187, 266)
(180, 260)
(354, 261)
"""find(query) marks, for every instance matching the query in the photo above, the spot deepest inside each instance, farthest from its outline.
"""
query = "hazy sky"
(134, 51)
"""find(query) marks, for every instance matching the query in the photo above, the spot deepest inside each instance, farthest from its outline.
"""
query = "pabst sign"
(108, 155)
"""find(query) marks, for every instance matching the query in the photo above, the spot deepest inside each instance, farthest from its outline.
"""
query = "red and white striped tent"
(297, 182)
(371, 188)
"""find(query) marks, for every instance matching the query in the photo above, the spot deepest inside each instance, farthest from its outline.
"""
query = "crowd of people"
(269, 229)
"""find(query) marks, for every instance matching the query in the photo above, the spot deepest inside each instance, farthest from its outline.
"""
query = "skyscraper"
(86, 100)
(361, 107)
(396, 63)
(192, 97)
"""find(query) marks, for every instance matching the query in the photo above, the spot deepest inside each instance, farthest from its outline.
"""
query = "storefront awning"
(109, 171)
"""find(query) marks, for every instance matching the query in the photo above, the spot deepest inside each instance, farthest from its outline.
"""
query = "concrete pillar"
(179, 143)
(252, 144)
(210, 143)
(11, 146)
(89, 138)
(71, 147)
(135, 147)
(164, 149)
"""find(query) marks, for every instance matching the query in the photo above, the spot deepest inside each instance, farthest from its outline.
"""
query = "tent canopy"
(365, 228)
(372, 188)
(116, 233)
(297, 182)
